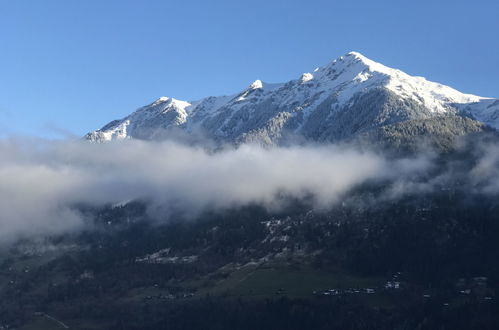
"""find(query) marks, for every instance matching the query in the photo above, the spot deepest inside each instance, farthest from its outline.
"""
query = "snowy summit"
(350, 96)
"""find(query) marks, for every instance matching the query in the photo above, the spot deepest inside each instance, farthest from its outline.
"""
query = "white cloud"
(41, 181)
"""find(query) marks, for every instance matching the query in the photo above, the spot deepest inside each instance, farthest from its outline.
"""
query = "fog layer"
(41, 182)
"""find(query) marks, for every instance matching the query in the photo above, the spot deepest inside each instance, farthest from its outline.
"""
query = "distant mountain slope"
(348, 97)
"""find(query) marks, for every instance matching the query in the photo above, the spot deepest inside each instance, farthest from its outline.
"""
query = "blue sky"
(72, 66)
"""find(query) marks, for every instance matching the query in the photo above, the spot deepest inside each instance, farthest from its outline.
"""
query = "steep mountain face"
(349, 97)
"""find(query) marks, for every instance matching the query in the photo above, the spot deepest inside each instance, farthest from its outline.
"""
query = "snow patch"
(306, 77)
(256, 84)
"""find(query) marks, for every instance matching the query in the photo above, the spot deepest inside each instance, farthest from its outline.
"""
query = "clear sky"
(72, 66)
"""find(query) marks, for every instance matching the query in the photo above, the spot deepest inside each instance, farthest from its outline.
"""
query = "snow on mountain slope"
(348, 96)
(486, 111)
(432, 95)
(146, 121)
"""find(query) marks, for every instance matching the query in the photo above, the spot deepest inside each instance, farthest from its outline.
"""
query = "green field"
(257, 281)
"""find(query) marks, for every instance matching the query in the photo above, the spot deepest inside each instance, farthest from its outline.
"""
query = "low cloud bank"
(42, 181)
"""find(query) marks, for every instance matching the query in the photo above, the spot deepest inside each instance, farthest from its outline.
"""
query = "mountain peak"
(256, 84)
(365, 63)
(352, 64)
(321, 105)
(169, 101)
(160, 100)
(355, 54)
(353, 57)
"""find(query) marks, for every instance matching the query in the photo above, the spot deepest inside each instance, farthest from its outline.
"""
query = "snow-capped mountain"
(350, 96)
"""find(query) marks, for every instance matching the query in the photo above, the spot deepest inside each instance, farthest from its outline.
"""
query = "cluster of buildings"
(342, 292)
(392, 284)
(169, 296)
